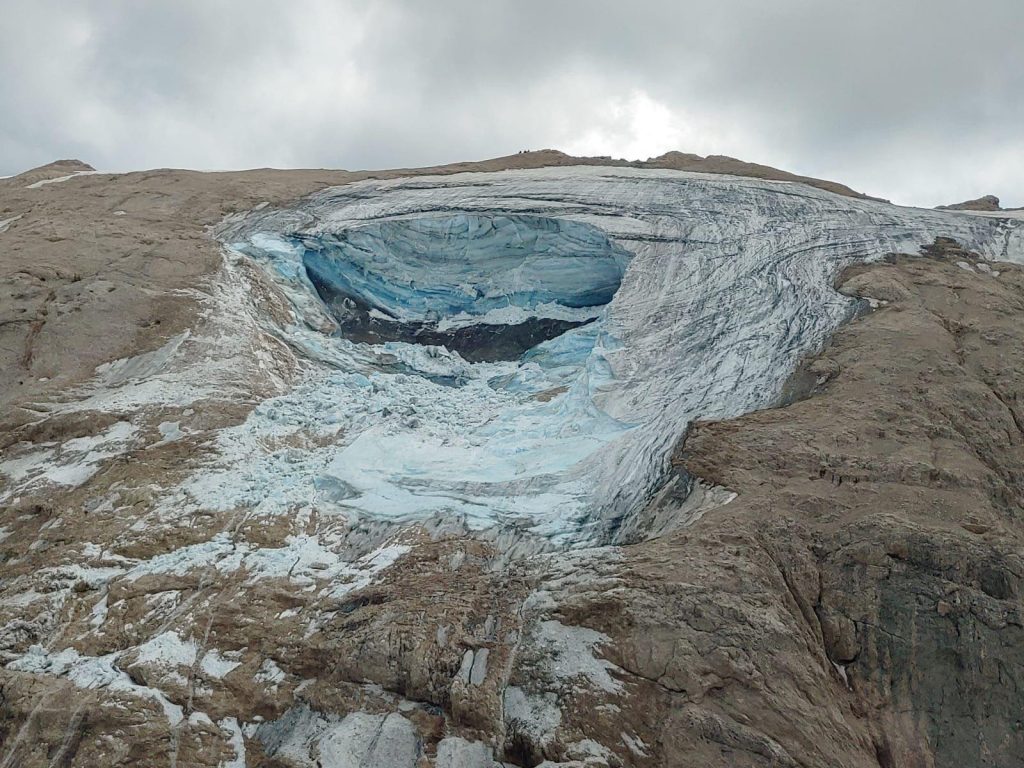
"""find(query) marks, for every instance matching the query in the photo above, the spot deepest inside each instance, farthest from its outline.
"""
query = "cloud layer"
(920, 101)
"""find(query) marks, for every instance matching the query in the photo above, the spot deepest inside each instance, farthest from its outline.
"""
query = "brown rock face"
(676, 161)
(985, 203)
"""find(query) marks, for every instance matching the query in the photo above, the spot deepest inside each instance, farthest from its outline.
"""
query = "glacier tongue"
(700, 294)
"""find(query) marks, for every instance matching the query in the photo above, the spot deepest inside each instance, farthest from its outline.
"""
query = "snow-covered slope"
(716, 286)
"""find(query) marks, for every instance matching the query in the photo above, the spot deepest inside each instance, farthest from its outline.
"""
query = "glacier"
(521, 351)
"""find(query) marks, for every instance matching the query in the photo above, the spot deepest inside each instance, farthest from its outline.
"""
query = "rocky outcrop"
(681, 161)
(985, 203)
(676, 161)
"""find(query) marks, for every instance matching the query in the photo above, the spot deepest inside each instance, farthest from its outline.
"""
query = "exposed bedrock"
(984, 203)
(479, 342)
(886, 511)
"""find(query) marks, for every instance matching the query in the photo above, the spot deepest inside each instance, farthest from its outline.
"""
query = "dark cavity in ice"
(489, 287)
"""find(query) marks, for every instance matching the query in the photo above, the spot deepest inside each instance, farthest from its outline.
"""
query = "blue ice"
(431, 268)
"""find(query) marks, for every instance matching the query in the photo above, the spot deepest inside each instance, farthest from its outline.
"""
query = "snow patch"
(98, 615)
(215, 665)
(168, 652)
(304, 559)
(237, 741)
(68, 464)
(269, 674)
(61, 179)
(535, 715)
(92, 672)
(571, 654)
(169, 432)
(5, 223)
(126, 369)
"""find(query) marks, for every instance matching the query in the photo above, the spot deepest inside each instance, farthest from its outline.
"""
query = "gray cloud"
(921, 101)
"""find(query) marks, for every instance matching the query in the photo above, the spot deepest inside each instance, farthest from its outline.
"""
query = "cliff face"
(263, 519)
(890, 502)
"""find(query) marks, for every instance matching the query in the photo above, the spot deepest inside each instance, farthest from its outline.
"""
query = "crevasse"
(487, 287)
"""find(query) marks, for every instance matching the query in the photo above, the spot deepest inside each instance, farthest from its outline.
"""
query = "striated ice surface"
(698, 295)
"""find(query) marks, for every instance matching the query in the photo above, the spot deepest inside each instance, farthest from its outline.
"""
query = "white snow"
(215, 665)
(304, 559)
(236, 740)
(635, 744)
(70, 463)
(142, 366)
(93, 576)
(170, 431)
(99, 613)
(60, 179)
(1017, 214)
(199, 718)
(570, 651)
(5, 223)
(535, 714)
(169, 652)
(269, 674)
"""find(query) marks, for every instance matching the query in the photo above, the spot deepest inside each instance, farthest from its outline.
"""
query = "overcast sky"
(920, 101)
